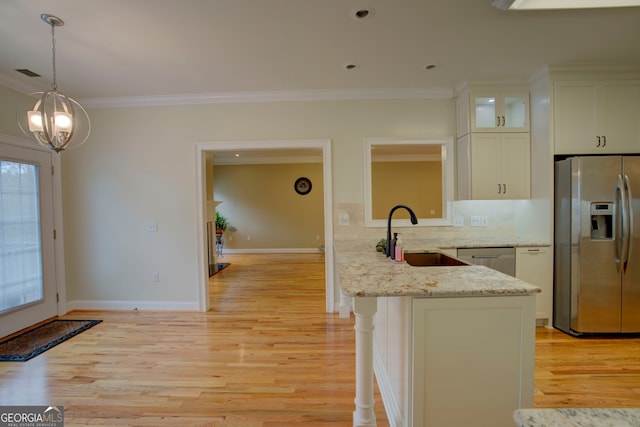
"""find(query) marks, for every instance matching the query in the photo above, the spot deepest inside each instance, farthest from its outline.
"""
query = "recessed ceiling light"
(362, 14)
(237, 154)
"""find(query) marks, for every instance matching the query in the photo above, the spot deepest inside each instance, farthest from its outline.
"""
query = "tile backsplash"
(507, 219)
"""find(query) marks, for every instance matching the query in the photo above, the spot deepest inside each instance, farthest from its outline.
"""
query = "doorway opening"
(266, 148)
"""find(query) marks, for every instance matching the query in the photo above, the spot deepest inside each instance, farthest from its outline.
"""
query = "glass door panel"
(515, 112)
(28, 292)
(20, 245)
(485, 112)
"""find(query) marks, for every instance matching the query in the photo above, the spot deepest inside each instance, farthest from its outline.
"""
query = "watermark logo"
(31, 416)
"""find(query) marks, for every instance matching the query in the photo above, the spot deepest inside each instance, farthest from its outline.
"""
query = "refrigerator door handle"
(629, 230)
(622, 247)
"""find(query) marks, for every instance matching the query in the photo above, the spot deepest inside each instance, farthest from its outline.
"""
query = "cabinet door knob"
(499, 189)
(598, 145)
(497, 121)
(604, 141)
(504, 188)
(503, 121)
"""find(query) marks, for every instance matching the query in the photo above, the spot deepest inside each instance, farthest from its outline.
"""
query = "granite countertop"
(583, 417)
(365, 272)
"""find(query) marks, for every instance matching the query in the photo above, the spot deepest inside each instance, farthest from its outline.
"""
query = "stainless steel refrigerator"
(597, 245)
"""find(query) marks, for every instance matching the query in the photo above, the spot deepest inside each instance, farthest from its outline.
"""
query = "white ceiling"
(151, 48)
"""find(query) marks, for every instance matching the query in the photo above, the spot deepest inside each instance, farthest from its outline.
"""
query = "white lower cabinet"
(535, 265)
(455, 362)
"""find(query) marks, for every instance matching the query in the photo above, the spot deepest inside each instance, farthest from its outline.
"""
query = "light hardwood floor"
(265, 355)
(586, 372)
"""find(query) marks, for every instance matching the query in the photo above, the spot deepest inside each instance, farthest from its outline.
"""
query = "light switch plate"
(458, 221)
(475, 221)
(152, 226)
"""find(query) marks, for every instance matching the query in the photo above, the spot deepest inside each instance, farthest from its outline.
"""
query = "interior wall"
(260, 202)
(415, 184)
(138, 168)
(10, 103)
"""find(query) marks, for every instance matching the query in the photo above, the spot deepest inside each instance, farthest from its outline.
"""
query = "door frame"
(58, 243)
(201, 214)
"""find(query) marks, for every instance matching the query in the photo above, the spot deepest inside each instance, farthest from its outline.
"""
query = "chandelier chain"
(54, 85)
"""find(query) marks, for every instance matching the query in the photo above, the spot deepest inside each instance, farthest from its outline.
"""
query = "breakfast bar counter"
(578, 417)
(363, 272)
(446, 337)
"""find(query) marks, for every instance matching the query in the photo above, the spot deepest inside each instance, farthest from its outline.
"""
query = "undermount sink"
(431, 259)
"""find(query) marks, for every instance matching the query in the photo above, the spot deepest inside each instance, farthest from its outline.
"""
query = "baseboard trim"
(133, 305)
(389, 399)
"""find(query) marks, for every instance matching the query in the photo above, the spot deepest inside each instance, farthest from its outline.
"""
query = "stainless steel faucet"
(414, 221)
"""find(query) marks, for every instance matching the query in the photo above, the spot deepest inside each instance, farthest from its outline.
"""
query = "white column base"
(364, 308)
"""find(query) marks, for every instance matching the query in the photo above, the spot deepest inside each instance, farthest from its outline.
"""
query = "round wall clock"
(302, 186)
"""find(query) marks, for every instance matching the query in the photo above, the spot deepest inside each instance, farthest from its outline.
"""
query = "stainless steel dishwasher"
(501, 259)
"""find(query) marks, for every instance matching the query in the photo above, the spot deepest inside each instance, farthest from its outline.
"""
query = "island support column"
(364, 308)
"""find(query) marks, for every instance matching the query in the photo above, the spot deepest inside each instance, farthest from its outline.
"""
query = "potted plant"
(222, 224)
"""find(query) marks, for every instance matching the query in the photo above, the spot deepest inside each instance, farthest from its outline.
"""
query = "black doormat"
(38, 340)
(213, 269)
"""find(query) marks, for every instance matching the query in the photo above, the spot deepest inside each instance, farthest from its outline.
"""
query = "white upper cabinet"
(494, 166)
(597, 117)
(493, 146)
(493, 111)
(501, 112)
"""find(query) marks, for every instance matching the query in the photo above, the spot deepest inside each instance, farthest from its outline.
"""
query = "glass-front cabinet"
(496, 112)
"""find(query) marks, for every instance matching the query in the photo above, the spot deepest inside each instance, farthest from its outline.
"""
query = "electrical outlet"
(484, 221)
(343, 219)
(475, 221)
(458, 221)
(152, 226)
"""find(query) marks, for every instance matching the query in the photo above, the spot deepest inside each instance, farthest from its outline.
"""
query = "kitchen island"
(453, 346)
(578, 417)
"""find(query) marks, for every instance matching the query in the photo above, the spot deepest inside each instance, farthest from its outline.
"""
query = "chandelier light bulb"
(64, 123)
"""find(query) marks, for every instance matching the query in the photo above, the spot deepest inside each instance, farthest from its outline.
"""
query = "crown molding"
(241, 97)
(267, 96)
(621, 70)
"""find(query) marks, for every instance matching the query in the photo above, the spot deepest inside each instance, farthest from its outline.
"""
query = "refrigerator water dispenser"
(601, 221)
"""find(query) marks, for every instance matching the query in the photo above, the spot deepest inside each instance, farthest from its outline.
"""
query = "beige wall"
(415, 184)
(261, 203)
(139, 166)
(10, 103)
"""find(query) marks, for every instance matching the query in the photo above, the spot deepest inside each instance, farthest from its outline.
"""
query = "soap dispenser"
(399, 250)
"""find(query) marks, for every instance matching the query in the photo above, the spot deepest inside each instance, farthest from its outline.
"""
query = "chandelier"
(56, 121)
